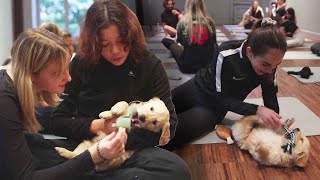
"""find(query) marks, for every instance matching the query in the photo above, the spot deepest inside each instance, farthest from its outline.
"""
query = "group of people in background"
(112, 64)
(286, 19)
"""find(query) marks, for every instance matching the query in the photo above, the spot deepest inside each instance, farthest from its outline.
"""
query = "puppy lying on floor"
(152, 115)
(266, 144)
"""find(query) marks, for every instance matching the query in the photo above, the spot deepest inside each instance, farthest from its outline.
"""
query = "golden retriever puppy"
(152, 115)
(265, 144)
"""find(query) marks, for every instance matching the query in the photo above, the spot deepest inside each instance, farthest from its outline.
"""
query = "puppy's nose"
(142, 118)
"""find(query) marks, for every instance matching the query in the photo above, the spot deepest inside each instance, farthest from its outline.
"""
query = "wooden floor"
(222, 161)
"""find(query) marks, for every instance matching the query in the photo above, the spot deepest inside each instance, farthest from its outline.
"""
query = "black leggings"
(196, 116)
(149, 163)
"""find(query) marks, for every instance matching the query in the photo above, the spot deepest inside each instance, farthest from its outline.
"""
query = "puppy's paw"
(106, 115)
(65, 153)
(120, 108)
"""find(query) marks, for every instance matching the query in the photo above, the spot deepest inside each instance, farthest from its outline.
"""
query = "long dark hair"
(292, 14)
(101, 15)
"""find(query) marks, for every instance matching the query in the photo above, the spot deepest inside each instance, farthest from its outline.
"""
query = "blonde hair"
(195, 10)
(52, 28)
(32, 51)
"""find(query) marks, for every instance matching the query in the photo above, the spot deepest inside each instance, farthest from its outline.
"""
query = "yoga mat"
(155, 39)
(312, 79)
(240, 30)
(222, 39)
(176, 77)
(155, 46)
(302, 55)
(233, 27)
(220, 34)
(290, 107)
(165, 57)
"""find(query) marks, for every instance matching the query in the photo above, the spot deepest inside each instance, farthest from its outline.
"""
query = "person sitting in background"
(170, 18)
(290, 30)
(68, 38)
(281, 4)
(252, 15)
(196, 38)
(291, 15)
(271, 12)
(52, 27)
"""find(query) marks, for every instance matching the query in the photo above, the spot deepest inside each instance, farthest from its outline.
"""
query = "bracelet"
(99, 153)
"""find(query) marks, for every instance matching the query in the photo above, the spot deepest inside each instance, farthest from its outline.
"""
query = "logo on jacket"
(238, 78)
(131, 74)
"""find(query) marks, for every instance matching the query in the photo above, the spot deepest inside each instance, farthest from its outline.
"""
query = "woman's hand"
(268, 117)
(110, 147)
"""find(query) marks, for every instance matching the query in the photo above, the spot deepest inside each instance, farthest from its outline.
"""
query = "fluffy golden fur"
(152, 115)
(264, 143)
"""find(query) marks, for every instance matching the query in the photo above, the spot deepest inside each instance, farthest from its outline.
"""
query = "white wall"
(307, 12)
(6, 34)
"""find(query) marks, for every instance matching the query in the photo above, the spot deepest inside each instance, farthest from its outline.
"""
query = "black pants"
(149, 163)
(196, 114)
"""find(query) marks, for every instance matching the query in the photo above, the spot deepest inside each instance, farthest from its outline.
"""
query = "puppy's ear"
(165, 136)
(301, 159)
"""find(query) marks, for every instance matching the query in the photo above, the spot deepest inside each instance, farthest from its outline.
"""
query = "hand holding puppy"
(110, 147)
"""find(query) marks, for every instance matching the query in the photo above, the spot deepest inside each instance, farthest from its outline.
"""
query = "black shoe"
(167, 42)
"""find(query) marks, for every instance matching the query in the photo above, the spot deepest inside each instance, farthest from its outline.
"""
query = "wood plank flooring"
(222, 161)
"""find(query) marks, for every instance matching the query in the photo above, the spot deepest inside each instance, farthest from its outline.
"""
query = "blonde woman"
(196, 38)
(252, 15)
(40, 71)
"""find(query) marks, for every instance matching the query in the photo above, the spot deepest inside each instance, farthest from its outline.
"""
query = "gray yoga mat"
(300, 55)
(165, 57)
(290, 107)
(176, 77)
(315, 78)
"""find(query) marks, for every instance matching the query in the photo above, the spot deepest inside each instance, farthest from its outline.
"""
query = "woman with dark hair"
(196, 38)
(291, 15)
(290, 29)
(113, 65)
(239, 68)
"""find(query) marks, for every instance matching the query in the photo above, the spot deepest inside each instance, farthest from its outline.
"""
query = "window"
(67, 14)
